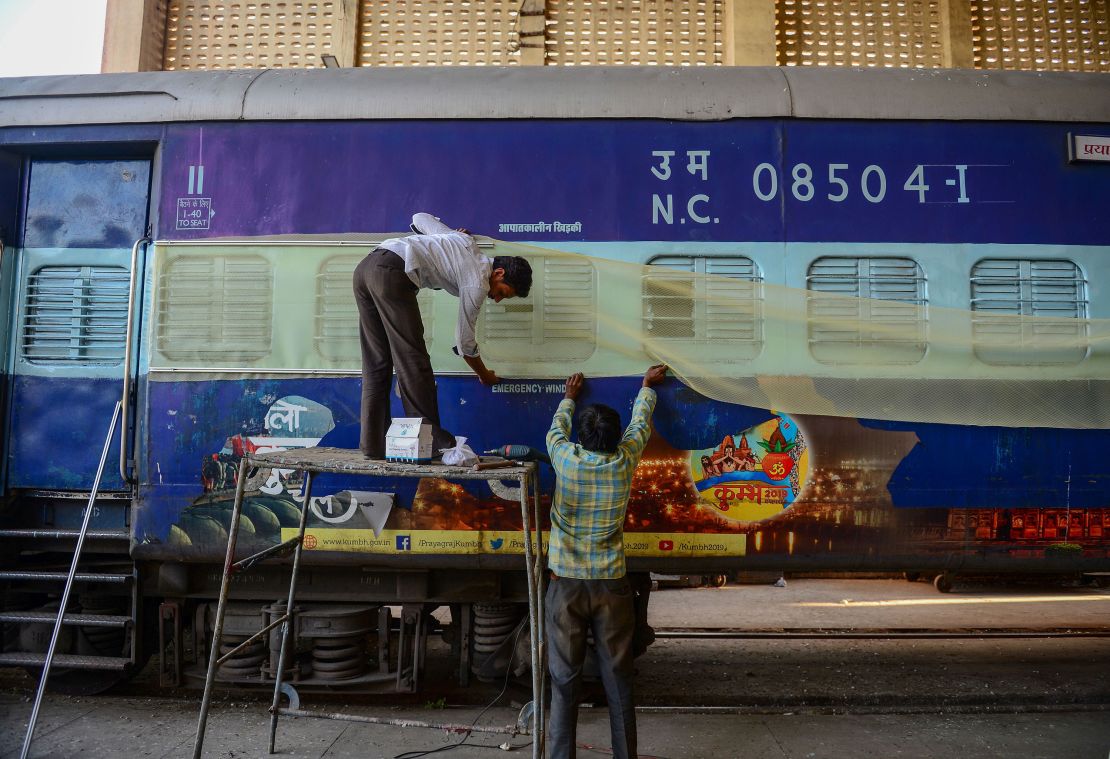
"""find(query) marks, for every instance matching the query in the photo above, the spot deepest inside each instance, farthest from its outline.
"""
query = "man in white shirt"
(392, 334)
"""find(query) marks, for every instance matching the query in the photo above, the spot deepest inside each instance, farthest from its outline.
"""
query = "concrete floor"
(804, 699)
(872, 673)
(157, 728)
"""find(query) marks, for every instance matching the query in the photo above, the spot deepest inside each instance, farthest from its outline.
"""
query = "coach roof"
(686, 94)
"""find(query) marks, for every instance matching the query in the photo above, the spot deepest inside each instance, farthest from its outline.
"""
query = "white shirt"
(441, 258)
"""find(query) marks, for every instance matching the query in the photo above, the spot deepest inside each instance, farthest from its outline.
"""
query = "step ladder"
(312, 461)
(46, 579)
(62, 617)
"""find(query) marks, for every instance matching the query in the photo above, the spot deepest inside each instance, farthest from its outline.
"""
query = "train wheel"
(717, 581)
(943, 583)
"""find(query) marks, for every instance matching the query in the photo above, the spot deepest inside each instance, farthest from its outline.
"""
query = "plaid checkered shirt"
(591, 495)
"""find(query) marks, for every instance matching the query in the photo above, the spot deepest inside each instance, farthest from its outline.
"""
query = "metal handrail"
(124, 437)
(69, 586)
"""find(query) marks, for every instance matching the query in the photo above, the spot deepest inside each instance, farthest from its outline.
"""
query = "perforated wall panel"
(243, 34)
(1041, 35)
(439, 33)
(635, 32)
(884, 33)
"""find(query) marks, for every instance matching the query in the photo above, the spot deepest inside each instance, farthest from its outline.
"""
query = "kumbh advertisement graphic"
(786, 486)
(753, 475)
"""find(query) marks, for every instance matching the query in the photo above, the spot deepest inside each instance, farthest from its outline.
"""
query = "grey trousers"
(392, 336)
(572, 608)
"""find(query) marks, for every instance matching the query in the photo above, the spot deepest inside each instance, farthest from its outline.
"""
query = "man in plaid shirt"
(589, 589)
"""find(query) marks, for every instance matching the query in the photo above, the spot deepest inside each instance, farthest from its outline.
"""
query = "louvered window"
(337, 314)
(215, 308)
(874, 312)
(1004, 290)
(75, 315)
(556, 322)
(715, 300)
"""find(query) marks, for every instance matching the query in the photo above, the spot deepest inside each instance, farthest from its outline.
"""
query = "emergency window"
(75, 315)
(215, 308)
(336, 314)
(874, 312)
(556, 322)
(715, 300)
(1004, 290)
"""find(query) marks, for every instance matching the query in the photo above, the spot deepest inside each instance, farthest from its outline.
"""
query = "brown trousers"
(392, 336)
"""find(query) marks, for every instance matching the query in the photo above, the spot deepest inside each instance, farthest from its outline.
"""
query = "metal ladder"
(62, 617)
(341, 461)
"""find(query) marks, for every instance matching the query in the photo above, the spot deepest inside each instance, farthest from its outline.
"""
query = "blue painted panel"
(1017, 186)
(951, 466)
(61, 425)
(86, 204)
(1000, 467)
(343, 177)
(79, 213)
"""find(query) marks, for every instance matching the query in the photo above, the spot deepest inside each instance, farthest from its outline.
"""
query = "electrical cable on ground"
(504, 688)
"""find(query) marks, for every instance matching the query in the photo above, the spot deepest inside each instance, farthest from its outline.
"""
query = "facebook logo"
(403, 543)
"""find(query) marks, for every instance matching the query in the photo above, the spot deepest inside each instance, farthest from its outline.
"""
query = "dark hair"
(518, 273)
(599, 428)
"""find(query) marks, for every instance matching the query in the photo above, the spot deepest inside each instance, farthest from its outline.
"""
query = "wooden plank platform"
(351, 461)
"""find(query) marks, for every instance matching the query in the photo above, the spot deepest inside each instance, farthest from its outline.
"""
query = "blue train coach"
(184, 242)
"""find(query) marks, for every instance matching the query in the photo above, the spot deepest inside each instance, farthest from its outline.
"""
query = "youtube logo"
(666, 545)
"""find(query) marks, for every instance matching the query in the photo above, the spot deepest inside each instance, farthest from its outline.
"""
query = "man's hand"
(485, 375)
(655, 375)
(574, 386)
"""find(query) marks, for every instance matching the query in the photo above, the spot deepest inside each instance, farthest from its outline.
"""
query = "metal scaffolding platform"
(313, 461)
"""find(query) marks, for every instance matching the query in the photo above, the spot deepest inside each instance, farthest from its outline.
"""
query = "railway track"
(874, 633)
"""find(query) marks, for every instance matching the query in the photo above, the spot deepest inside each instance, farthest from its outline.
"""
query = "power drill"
(519, 453)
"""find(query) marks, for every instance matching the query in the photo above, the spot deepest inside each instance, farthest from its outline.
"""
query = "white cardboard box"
(409, 439)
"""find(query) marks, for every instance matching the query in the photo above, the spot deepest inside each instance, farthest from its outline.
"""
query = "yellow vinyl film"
(858, 339)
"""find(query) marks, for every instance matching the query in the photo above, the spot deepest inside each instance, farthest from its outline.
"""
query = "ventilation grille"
(243, 34)
(716, 300)
(877, 316)
(556, 322)
(888, 33)
(1055, 291)
(215, 309)
(1041, 35)
(635, 32)
(76, 315)
(337, 314)
(439, 33)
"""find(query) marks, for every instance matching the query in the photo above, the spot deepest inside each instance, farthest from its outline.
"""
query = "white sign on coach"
(1089, 148)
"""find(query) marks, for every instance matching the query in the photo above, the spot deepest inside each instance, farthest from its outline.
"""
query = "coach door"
(81, 218)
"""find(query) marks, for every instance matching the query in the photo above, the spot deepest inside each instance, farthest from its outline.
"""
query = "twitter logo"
(496, 544)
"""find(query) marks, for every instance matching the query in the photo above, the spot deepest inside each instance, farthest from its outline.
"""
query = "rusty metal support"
(281, 549)
(287, 632)
(221, 608)
(397, 722)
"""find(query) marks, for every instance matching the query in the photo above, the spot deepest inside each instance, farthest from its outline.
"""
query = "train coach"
(886, 292)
